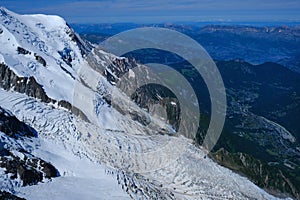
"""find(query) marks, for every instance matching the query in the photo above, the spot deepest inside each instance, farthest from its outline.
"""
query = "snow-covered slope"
(76, 154)
(94, 157)
(48, 37)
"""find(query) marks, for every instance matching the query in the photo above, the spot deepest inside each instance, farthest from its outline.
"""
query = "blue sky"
(142, 11)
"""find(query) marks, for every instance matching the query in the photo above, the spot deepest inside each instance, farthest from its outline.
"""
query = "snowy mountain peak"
(44, 47)
(43, 50)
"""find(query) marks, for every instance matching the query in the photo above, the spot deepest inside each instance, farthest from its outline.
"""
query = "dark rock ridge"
(117, 68)
(16, 161)
(84, 46)
(29, 86)
(12, 127)
(30, 169)
(23, 51)
(8, 196)
(40, 59)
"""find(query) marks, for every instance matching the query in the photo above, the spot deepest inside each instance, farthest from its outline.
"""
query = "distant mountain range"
(279, 44)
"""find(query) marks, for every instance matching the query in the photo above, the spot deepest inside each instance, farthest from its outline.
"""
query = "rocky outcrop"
(8, 196)
(23, 51)
(160, 101)
(12, 127)
(76, 111)
(37, 57)
(66, 55)
(118, 67)
(14, 159)
(84, 46)
(30, 169)
(29, 86)
(156, 100)
(40, 59)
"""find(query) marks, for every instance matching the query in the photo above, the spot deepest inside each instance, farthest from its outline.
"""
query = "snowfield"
(111, 156)
(34, 33)
(84, 157)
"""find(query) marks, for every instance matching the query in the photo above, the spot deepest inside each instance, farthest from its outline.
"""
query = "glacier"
(109, 156)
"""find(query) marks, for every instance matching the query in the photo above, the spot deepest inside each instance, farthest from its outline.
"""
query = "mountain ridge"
(142, 160)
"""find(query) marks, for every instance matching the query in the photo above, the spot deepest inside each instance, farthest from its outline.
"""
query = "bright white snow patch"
(80, 178)
(173, 103)
(45, 36)
(2, 59)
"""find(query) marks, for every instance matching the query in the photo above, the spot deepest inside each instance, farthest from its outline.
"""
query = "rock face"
(8, 196)
(23, 51)
(12, 127)
(29, 86)
(66, 55)
(30, 169)
(16, 161)
(85, 47)
(160, 101)
(40, 59)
